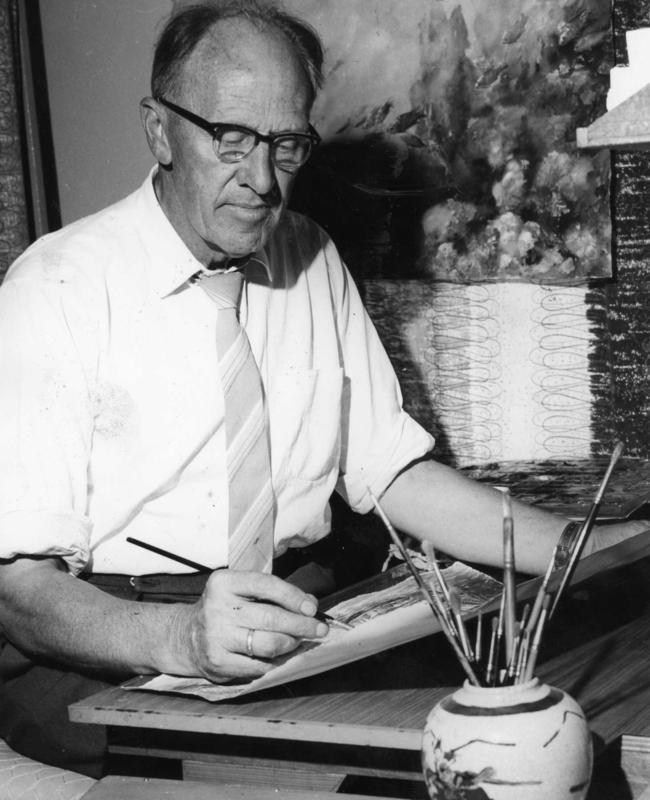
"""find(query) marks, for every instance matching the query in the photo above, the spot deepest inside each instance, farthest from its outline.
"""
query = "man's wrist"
(173, 650)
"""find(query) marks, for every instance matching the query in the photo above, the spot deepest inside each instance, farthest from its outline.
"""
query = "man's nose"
(257, 170)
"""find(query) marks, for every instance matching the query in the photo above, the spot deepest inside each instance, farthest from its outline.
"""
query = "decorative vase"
(529, 741)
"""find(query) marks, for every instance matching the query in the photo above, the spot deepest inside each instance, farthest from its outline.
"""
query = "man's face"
(244, 77)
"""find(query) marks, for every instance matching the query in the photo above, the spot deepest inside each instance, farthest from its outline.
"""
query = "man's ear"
(153, 121)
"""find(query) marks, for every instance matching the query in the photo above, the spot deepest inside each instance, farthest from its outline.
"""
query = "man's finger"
(257, 643)
(263, 586)
(265, 602)
(263, 616)
(238, 666)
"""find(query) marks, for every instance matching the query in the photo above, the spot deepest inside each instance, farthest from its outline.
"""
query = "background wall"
(496, 372)
(98, 56)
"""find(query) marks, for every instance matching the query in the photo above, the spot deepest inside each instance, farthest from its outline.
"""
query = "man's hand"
(47, 612)
(214, 634)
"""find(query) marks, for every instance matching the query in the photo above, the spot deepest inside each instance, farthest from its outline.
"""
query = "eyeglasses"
(232, 143)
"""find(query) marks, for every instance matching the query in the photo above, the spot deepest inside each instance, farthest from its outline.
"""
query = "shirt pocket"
(305, 423)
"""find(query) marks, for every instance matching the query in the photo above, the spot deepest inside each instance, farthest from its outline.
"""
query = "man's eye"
(235, 139)
(287, 146)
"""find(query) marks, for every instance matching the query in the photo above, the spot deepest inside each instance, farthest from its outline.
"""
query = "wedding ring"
(249, 642)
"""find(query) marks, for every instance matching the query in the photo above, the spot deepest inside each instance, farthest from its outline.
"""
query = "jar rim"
(531, 691)
(512, 688)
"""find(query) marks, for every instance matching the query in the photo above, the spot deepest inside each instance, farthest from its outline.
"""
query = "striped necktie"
(250, 503)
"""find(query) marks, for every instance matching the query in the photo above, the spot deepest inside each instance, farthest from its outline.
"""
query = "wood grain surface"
(116, 787)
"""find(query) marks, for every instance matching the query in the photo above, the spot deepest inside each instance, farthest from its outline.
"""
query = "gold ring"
(249, 642)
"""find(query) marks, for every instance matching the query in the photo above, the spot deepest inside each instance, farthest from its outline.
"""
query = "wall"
(98, 54)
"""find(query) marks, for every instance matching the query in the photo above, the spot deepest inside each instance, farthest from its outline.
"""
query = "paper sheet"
(380, 620)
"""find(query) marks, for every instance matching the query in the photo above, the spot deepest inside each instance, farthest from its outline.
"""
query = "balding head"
(211, 24)
(254, 52)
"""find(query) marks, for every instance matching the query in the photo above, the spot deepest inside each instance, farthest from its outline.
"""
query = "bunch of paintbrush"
(443, 604)
(513, 644)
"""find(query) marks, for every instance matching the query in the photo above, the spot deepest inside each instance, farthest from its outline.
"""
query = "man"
(116, 413)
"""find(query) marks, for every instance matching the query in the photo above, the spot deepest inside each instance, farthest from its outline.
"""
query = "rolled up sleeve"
(45, 425)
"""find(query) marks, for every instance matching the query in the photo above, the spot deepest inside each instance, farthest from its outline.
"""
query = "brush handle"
(427, 594)
(585, 530)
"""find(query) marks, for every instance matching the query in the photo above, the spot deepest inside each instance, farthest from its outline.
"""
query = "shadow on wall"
(372, 230)
(370, 195)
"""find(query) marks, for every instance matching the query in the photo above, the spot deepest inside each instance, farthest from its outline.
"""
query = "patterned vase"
(524, 742)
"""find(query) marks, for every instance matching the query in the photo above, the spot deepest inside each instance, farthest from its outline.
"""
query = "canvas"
(449, 138)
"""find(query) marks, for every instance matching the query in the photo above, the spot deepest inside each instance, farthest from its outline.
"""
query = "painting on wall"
(449, 138)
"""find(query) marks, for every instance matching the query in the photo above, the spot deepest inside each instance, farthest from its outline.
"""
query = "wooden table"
(116, 787)
(315, 734)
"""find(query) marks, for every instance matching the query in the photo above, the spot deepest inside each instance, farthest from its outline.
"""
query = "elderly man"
(192, 368)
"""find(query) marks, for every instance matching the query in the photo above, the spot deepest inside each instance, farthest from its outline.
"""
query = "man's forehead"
(237, 43)
(236, 56)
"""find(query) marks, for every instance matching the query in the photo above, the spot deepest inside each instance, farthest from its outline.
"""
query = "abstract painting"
(449, 138)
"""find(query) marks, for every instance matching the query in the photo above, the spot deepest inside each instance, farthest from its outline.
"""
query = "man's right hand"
(45, 611)
(214, 635)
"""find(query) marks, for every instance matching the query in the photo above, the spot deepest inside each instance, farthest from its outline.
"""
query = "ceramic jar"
(524, 742)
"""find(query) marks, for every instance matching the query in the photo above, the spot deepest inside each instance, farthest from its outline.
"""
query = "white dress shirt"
(111, 412)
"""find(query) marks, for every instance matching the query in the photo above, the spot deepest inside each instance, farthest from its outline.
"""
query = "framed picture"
(449, 138)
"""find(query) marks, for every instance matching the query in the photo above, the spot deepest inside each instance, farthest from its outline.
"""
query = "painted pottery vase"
(524, 742)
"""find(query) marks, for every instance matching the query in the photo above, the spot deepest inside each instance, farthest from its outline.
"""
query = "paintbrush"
(499, 638)
(441, 590)
(202, 568)
(537, 639)
(444, 607)
(430, 552)
(478, 645)
(490, 668)
(508, 575)
(426, 592)
(460, 625)
(523, 656)
(514, 658)
(585, 530)
(514, 668)
(541, 594)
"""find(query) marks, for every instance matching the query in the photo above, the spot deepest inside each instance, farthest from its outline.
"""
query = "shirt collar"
(172, 262)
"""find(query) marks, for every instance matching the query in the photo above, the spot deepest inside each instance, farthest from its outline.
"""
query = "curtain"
(14, 219)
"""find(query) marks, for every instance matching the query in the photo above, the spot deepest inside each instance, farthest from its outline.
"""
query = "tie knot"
(224, 287)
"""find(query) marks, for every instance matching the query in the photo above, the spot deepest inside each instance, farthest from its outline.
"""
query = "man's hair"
(186, 28)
